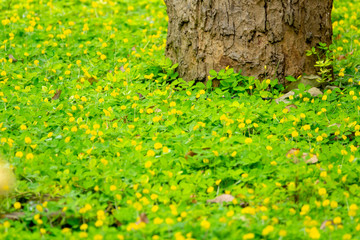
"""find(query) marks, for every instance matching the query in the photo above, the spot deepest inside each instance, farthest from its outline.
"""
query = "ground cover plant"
(107, 143)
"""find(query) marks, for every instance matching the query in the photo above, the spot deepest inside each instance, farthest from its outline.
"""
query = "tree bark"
(246, 35)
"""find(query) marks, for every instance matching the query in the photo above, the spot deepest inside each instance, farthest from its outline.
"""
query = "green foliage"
(325, 61)
(106, 141)
(237, 84)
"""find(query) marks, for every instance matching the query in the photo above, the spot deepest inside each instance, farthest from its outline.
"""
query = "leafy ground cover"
(107, 143)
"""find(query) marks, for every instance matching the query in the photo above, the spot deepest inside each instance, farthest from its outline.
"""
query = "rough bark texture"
(246, 35)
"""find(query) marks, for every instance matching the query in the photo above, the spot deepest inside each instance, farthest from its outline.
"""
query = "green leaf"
(290, 79)
(213, 73)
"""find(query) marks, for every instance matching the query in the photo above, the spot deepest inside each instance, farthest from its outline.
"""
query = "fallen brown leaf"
(335, 125)
(288, 107)
(193, 198)
(13, 215)
(292, 153)
(56, 95)
(222, 198)
(143, 218)
(92, 80)
(14, 60)
(190, 153)
(326, 223)
(314, 159)
(341, 57)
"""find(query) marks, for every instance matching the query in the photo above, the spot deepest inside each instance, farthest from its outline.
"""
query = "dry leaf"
(140, 96)
(56, 95)
(143, 218)
(312, 160)
(325, 223)
(92, 80)
(350, 53)
(190, 153)
(288, 107)
(193, 198)
(13, 215)
(335, 125)
(14, 60)
(222, 198)
(292, 153)
(341, 57)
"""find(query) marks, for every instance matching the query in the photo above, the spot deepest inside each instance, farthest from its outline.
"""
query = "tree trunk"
(246, 35)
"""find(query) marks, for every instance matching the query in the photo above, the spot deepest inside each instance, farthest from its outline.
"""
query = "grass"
(106, 142)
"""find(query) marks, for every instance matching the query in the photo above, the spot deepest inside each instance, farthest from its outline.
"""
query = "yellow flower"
(322, 191)
(314, 233)
(83, 235)
(248, 236)
(158, 220)
(99, 223)
(306, 127)
(158, 145)
(347, 236)
(148, 164)
(27, 140)
(337, 220)
(166, 150)
(6, 224)
(305, 209)
(267, 230)
(210, 189)
(98, 237)
(19, 154)
(319, 138)
(230, 213)
(295, 134)
(248, 140)
(169, 221)
(205, 224)
(17, 205)
(282, 233)
(150, 153)
(83, 227)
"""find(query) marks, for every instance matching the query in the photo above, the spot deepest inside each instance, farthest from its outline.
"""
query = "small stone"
(284, 97)
(314, 92)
